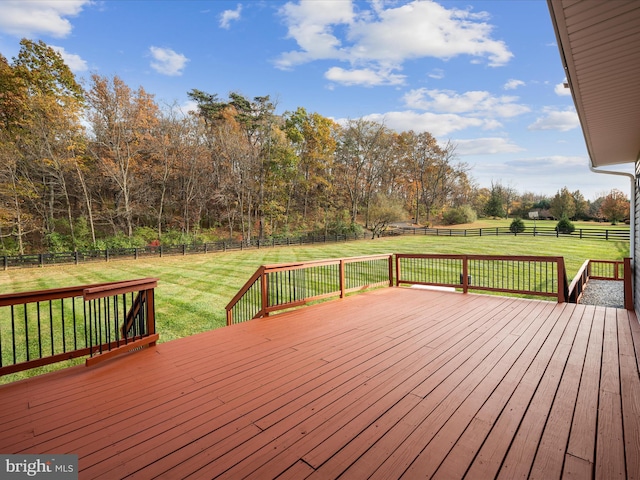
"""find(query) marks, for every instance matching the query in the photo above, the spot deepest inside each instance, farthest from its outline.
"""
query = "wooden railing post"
(151, 314)
(391, 270)
(264, 292)
(342, 278)
(628, 285)
(562, 280)
(465, 274)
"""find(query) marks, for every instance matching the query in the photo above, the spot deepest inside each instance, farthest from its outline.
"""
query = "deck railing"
(277, 287)
(612, 270)
(287, 285)
(527, 275)
(98, 321)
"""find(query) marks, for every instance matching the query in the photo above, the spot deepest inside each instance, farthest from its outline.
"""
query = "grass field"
(193, 290)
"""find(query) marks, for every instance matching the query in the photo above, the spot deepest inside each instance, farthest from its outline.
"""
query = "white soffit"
(599, 42)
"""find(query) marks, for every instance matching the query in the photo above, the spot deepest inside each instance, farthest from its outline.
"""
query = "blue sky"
(485, 75)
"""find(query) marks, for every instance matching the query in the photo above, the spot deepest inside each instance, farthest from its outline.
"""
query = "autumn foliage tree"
(107, 166)
(41, 135)
(615, 206)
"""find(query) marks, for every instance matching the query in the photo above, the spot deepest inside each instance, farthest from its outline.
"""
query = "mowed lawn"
(193, 290)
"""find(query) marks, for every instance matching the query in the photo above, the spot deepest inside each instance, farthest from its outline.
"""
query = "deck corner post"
(628, 284)
(562, 280)
(342, 279)
(151, 314)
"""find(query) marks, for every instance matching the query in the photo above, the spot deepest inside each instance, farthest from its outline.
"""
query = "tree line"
(106, 165)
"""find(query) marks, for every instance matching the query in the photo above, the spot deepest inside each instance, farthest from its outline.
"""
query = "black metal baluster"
(26, 331)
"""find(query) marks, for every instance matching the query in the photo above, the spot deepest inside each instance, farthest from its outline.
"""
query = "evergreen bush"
(517, 226)
(565, 225)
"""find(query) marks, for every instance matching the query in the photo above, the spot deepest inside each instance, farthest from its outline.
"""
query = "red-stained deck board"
(505, 374)
(442, 393)
(630, 391)
(610, 461)
(381, 384)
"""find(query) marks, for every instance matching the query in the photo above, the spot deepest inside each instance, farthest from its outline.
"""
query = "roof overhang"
(599, 43)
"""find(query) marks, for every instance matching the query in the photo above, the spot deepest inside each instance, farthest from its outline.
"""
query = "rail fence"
(621, 234)
(96, 321)
(79, 257)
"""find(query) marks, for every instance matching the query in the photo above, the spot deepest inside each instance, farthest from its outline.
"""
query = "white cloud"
(39, 17)
(552, 161)
(426, 29)
(486, 146)
(73, 61)
(561, 90)
(167, 62)
(229, 16)
(384, 38)
(436, 73)
(512, 84)
(562, 120)
(439, 125)
(476, 103)
(365, 76)
(310, 25)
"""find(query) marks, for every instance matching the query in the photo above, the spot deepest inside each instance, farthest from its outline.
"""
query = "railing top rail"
(245, 287)
(530, 258)
(117, 288)
(328, 261)
(578, 276)
(20, 298)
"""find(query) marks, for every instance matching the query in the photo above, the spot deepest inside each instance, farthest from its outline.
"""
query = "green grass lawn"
(193, 290)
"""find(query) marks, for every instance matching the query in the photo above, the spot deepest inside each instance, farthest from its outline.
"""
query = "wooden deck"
(393, 383)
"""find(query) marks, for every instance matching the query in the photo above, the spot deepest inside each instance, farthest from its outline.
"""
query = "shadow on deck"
(391, 383)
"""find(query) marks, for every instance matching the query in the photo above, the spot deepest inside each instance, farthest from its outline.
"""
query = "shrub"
(57, 242)
(517, 226)
(565, 226)
(458, 215)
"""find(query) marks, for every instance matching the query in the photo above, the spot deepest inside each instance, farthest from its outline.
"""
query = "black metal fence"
(60, 258)
(621, 234)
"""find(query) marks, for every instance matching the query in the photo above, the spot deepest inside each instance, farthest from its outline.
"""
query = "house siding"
(636, 240)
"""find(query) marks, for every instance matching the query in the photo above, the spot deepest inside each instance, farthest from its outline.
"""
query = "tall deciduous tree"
(360, 155)
(42, 104)
(563, 204)
(615, 206)
(313, 138)
(123, 124)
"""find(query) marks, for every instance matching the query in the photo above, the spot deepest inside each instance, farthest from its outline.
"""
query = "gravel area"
(606, 293)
